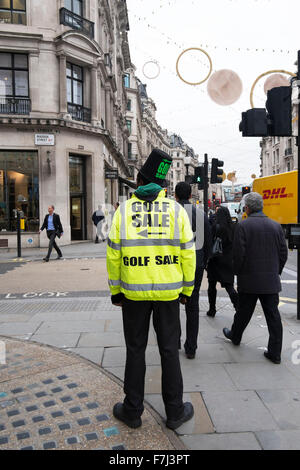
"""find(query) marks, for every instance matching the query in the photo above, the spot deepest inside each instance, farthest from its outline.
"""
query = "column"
(107, 110)
(94, 95)
(63, 108)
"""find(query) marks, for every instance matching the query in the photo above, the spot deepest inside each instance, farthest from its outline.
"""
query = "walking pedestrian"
(151, 263)
(220, 267)
(259, 256)
(54, 229)
(98, 219)
(202, 237)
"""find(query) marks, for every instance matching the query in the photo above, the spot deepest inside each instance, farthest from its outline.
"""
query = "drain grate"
(42, 307)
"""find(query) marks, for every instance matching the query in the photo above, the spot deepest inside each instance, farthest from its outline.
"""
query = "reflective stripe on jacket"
(151, 251)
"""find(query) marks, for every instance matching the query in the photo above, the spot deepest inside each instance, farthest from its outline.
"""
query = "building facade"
(278, 155)
(64, 138)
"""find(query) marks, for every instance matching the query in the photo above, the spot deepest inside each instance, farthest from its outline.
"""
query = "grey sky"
(161, 29)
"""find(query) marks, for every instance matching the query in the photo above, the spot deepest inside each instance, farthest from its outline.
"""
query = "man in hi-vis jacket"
(151, 267)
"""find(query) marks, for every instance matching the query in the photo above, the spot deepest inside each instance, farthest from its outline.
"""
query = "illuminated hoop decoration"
(270, 72)
(151, 62)
(210, 65)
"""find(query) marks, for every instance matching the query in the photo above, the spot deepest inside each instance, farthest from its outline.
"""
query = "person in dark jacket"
(54, 229)
(259, 255)
(220, 268)
(202, 234)
(98, 219)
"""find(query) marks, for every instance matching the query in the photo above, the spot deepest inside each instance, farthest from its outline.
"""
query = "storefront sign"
(111, 174)
(44, 139)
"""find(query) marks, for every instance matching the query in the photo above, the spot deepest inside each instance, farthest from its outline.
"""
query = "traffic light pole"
(206, 184)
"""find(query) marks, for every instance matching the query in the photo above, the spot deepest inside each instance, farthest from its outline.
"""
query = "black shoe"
(118, 413)
(188, 413)
(46, 259)
(272, 359)
(211, 313)
(228, 335)
(190, 356)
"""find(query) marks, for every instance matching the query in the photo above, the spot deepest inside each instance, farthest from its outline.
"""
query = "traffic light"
(254, 123)
(216, 171)
(279, 106)
(200, 176)
(246, 190)
(214, 196)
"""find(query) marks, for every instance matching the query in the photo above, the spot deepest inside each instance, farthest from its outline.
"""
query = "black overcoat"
(259, 255)
(220, 269)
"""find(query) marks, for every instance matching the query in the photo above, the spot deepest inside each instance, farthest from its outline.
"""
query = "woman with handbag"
(220, 265)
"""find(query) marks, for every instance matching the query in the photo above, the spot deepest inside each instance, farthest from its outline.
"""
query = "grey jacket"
(259, 255)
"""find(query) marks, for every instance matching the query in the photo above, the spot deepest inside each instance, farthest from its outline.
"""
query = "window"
(126, 79)
(74, 84)
(75, 6)
(129, 150)
(19, 189)
(13, 11)
(14, 75)
(288, 166)
(129, 105)
(129, 125)
(277, 155)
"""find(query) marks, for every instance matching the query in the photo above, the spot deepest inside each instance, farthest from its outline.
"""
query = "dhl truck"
(280, 195)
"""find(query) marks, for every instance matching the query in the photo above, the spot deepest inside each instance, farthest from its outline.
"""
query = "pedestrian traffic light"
(254, 123)
(216, 171)
(214, 196)
(246, 190)
(279, 107)
(200, 176)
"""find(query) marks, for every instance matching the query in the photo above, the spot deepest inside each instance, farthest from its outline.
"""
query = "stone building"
(278, 155)
(62, 113)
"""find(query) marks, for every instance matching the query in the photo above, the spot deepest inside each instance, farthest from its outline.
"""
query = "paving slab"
(205, 377)
(199, 424)
(60, 340)
(65, 402)
(238, 411)
(207, 354)
(279, 440)
(261, 376)
(284, 406)
(92, 354)
(228, 441)
(19, 328)
(75, 326)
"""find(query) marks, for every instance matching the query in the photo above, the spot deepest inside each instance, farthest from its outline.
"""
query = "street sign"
(44, 139)
(111, 174)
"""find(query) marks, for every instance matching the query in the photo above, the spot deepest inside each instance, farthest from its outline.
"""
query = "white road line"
(290, 272)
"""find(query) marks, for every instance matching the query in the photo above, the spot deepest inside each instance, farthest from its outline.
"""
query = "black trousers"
(192, 315)
(51, 234)
(212, 294)
(269, 303)
(136, 321)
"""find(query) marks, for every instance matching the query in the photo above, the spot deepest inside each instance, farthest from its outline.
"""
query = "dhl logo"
(276, 193)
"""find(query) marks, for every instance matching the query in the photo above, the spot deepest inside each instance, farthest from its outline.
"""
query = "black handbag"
(217, 249)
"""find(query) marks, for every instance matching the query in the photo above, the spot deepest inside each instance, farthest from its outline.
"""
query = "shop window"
(19, 190)
(13, 11)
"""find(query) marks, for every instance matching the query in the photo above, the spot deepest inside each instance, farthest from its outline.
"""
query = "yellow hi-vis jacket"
(151, 250)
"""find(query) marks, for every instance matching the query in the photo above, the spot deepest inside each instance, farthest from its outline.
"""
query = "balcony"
(15, 105)
(68, 18)
(79, 113)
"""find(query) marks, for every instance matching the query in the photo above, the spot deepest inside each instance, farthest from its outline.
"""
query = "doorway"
(78, 221)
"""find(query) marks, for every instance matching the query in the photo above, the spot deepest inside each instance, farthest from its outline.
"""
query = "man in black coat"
(259, 256)
(201, 229)
(54, 229)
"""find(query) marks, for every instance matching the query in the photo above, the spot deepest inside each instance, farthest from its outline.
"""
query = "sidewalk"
(241, 400)
(86, 249)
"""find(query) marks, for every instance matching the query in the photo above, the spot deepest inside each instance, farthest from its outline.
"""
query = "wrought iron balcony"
(15, 105)
(68, 18)
(79, 113)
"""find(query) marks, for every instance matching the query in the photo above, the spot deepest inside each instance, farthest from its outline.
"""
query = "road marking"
(286, 299)
(289, 282)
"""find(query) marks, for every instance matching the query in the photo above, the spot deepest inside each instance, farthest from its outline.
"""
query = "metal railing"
(15, 105)
(79, 113)
(68, 18)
